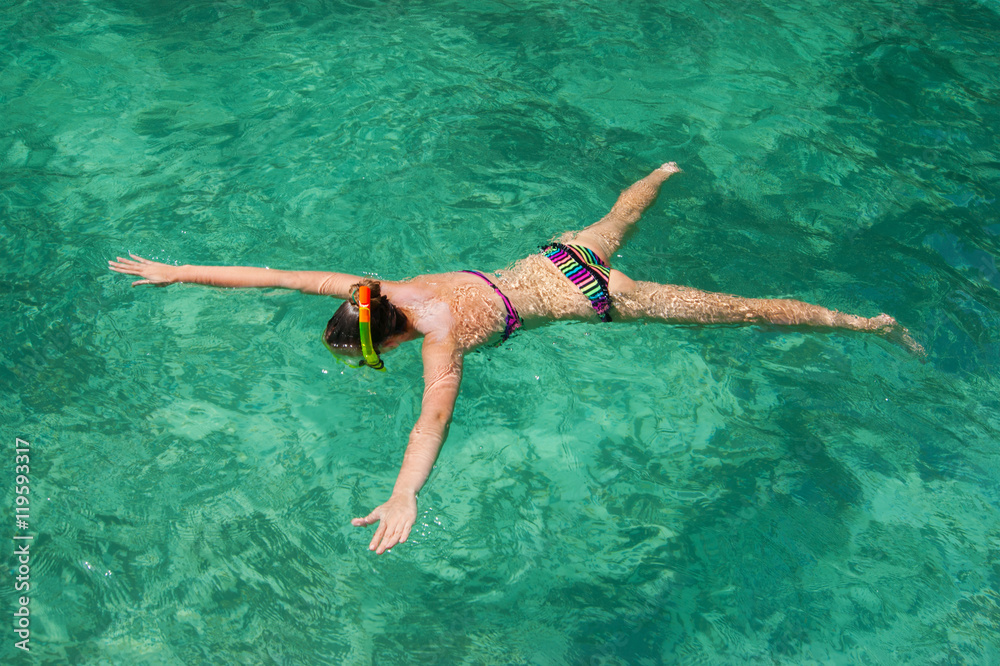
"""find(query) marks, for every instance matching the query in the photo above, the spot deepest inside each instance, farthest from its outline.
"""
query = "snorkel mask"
(370, 356)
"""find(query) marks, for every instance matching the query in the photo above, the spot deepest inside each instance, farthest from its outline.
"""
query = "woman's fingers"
(406, 533)
(123, 266)
(396, 518)
(377, 538)
(154, 273)
(369, 519)
(128, 270)
(389, 539)
(135, 263)
(387, 534)
(395, 535)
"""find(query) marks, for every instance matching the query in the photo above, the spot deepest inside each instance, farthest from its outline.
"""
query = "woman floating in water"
(456, 312)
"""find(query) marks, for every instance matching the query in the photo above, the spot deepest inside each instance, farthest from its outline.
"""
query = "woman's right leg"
(633, 299)
(605, 236)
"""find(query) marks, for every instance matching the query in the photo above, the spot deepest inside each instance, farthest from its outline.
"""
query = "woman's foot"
(670, 168)
(890, 329)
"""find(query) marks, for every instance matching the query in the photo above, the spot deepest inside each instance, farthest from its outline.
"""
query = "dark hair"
(342, 331)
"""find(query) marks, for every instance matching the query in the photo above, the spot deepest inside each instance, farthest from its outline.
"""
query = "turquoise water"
(623, 494)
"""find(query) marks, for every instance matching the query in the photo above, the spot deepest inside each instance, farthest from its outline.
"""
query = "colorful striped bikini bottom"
(586, 270)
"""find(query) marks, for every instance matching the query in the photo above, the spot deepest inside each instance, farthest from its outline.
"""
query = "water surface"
(615, 494)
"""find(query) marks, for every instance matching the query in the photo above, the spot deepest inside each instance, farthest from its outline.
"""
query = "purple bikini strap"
(513, 319)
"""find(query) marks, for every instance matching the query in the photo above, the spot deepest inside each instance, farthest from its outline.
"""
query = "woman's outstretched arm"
(684, 305)
(308, 282)
(442, 376)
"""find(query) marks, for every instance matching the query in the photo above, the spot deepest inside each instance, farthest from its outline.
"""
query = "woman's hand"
(397, 517)
(154, 272)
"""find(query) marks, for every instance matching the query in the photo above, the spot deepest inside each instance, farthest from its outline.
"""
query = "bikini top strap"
(513, 321)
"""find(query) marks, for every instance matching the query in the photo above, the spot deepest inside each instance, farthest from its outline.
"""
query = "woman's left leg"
(605, 236)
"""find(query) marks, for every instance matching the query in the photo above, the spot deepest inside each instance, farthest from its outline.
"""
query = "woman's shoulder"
(423, 301)
(430, 285)
(421, 286)
(453, 305)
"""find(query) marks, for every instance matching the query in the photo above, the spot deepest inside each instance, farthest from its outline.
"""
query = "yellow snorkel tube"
(371, 357)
